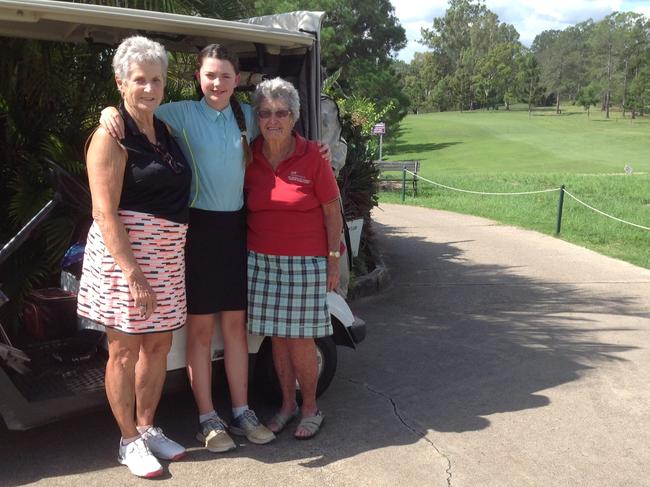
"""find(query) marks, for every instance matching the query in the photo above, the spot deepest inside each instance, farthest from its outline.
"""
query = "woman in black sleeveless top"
(133, 279)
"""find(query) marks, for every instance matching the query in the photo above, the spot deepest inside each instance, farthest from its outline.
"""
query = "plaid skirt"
(158, 247)
(287, 296)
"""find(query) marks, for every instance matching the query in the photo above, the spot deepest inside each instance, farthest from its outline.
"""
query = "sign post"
(380, 129)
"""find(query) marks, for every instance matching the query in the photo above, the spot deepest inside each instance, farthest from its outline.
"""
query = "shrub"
(358, 179)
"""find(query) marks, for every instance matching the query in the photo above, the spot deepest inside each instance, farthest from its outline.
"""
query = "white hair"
(277, 89)
(138, 49)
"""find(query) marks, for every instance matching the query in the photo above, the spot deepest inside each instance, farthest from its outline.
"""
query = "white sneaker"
(138, 458)
(161, 446)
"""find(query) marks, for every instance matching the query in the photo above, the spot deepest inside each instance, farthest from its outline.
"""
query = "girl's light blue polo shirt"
(210, 140)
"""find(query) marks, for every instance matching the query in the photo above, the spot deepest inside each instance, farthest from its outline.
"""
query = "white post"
(381, 140)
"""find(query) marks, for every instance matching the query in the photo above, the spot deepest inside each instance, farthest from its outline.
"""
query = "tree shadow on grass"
(563, 114)
(398, 149)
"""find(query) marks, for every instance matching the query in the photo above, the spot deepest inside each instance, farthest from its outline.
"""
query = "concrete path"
(498, 357)
(520, 358)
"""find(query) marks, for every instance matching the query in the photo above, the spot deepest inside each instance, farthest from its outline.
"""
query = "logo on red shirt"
(296, 177)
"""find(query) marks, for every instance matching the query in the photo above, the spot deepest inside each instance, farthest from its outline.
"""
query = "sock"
(142, 429)
(236, 412)
(126, 441)
(206, 416)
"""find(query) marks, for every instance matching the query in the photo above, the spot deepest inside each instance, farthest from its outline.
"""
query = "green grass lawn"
(501, 151)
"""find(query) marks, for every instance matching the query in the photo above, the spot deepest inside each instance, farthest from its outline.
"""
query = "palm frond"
(57, 232)
(29, 192)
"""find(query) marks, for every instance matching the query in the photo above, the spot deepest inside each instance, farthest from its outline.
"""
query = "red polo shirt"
(285, 214)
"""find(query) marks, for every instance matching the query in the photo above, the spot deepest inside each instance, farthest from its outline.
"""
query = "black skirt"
(215, 261)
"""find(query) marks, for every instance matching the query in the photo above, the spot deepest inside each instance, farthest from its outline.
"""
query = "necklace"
(158, 148)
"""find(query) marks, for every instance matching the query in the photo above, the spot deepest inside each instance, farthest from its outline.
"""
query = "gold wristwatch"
(334, 253)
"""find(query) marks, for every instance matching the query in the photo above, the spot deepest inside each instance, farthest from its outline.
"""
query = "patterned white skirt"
(158, 246)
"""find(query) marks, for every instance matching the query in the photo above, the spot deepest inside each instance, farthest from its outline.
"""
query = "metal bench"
(395, 166)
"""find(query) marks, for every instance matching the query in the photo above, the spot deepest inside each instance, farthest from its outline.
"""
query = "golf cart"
(59, 370)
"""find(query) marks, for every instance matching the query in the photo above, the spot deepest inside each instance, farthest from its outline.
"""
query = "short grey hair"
(277, 89)
(138, 49)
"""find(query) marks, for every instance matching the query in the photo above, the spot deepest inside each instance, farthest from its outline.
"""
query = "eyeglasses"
(168, 158)
(264, 114)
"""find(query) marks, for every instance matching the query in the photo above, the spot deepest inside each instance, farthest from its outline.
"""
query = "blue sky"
(530, 17)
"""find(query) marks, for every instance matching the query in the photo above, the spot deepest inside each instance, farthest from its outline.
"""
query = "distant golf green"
(605, 163)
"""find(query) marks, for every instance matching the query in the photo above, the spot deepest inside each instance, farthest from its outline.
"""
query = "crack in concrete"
(412, 429)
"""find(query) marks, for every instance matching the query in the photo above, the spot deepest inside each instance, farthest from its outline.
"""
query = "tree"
(361, 38)
(495, 73)
(450, 35)
(588, 98)
(461, 82)
(607, 46)
(560, 54)
(379, 84)
(552, 60)
(420, 79)
(527, 79)
(639, 94)
(634, 51)
(443, 96)
(477, 50)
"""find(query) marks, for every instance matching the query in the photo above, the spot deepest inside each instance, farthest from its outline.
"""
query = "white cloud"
(413, 35)
(645, 10)
(530, 17)
(419, 10)
(558, 11)
(415, 15)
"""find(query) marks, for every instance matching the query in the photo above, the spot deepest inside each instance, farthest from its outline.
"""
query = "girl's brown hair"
(217, 51)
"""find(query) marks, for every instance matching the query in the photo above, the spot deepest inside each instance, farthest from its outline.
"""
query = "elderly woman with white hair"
(294, 228)
(133, 280)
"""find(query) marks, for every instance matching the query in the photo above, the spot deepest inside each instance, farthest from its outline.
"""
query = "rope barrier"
(561, 189)
(480, 192)
(605, 214)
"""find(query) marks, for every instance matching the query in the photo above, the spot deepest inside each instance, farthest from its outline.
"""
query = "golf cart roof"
(74, 22)
(259, 42)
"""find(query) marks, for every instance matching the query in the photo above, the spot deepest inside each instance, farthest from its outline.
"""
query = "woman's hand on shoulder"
(104, 149)
(112, 122)
(325, 151)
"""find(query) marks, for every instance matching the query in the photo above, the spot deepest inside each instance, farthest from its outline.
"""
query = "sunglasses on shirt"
(168, 158)
(264, 114)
